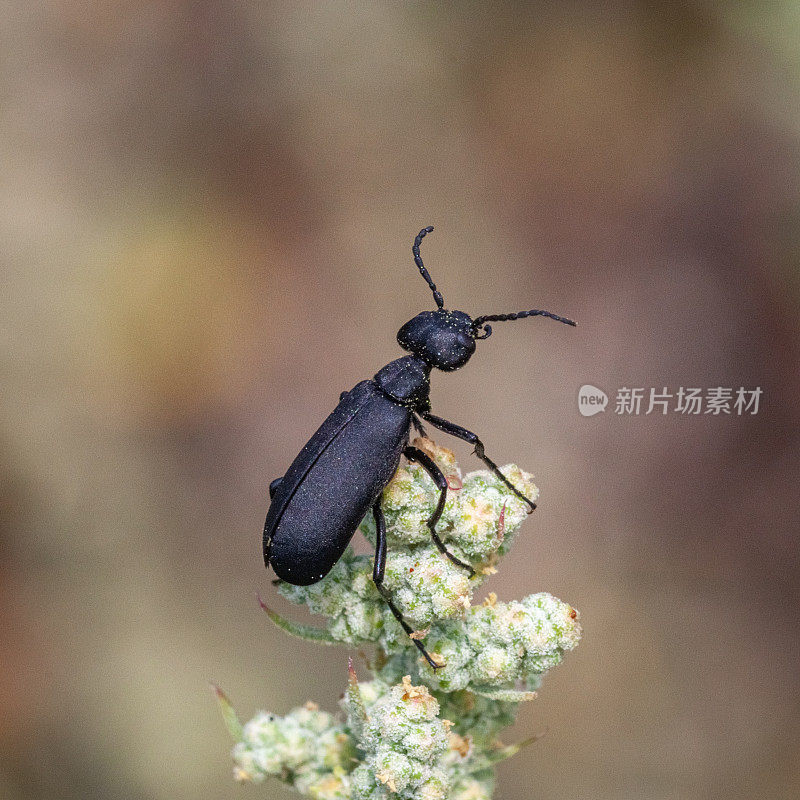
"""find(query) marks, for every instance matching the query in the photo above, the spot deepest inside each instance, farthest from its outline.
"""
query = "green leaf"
(504, 695)
(228, 714)
(357, 713)
(507, 752)
(308, 632)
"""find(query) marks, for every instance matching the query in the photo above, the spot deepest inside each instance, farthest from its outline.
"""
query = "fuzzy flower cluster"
(307, 749)
(497, 645)
(404, 742)
(436, 761)
(481, 514)
(425, 585)
(392, 743)
(414, 733)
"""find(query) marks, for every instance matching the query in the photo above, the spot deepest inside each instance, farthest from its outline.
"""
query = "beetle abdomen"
(318, 520)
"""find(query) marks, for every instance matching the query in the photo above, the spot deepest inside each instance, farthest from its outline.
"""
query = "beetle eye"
(464, 340)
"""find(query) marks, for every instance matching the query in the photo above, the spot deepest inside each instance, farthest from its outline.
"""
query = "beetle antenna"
(437, 295)
(479, 323)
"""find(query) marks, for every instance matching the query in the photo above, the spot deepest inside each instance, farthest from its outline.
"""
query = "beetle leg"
(379, 567)
(378, 572)
(429, 465)
(468, 436)
(418, 426)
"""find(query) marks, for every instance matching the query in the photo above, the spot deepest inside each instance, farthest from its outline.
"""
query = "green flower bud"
(404, 744)
(488, 514)
(301, 748)
(426, 586)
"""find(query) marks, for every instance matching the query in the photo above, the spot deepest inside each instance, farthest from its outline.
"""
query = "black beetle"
(340, 474)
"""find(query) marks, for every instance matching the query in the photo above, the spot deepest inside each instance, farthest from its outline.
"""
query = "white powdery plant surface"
(412, 732)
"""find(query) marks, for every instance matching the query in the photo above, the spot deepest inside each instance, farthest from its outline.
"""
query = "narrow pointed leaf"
(357, 713)
(507, 752)
(308, 632)
(504, 695)
(228, 714)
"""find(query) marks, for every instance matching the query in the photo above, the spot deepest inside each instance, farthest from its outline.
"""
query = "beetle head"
(444, 339)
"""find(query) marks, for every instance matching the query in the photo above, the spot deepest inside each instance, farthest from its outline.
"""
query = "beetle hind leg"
(379, 570)
(429, 465)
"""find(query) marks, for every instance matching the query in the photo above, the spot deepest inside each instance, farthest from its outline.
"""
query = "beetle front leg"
(472, 438)
(378, 571)
(429, 465)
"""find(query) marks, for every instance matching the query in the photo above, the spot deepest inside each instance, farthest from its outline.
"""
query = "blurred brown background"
(207, 213)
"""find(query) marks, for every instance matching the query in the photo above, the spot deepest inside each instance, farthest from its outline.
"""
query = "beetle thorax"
(406, 381)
